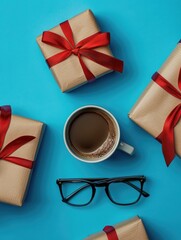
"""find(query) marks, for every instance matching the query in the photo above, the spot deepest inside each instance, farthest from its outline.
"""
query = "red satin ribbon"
(166, 137)
(111, 233)
(83, 48)
(5, 153)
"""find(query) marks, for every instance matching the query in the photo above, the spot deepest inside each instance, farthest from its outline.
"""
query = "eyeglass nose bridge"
(100, 184)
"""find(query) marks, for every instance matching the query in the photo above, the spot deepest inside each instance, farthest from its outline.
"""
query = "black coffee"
(92, 133)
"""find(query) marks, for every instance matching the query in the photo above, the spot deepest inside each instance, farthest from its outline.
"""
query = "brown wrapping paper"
(14, 179)
(155, 104)
(129, 230)
(69, 73)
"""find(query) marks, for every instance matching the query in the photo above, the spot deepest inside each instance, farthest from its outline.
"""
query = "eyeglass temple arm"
(77, 191)
(145, 194)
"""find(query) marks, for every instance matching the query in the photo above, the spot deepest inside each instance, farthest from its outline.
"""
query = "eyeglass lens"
(125, 192)
(77, 193)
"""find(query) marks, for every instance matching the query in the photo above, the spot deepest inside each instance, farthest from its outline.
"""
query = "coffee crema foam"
(103, 149)
(92, 134)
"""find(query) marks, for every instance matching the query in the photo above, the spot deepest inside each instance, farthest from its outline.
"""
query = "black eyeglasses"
(120, 190)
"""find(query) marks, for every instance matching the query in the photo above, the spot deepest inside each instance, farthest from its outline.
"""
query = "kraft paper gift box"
(158, 110)
(132, 229)
(73, 62)
(19, 142)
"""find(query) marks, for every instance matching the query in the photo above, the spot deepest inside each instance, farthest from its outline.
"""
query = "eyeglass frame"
(102, 182)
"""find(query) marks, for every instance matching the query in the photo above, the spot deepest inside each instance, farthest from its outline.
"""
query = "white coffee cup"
(117, 145)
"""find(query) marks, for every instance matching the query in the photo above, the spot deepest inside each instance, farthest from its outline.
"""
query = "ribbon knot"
(5, 153)
(75, 51)
(167, 136)
(83, 48)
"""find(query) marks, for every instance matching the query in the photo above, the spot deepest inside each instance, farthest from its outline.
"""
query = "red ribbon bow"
(5, 153)
(167, 135)
(83, 48)
(111, 233)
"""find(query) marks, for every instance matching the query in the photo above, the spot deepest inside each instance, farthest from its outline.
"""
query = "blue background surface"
(143, 35)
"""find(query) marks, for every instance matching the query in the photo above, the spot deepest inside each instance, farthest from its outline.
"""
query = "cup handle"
(126, 148)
